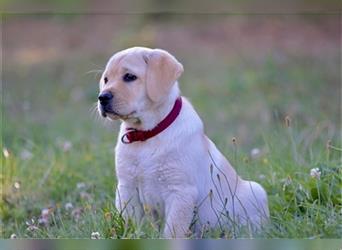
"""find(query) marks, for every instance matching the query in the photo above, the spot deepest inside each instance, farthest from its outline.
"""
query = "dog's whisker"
(93, 109)
(94, 71)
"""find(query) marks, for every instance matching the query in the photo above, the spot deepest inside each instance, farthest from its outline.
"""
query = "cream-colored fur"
(178, 174)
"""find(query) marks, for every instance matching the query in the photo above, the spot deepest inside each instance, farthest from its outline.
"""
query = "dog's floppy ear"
(163, 70)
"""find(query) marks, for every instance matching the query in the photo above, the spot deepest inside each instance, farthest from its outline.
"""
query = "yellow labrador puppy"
(165, 165)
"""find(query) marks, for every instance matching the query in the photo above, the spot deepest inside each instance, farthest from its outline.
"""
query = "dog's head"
(134, 80)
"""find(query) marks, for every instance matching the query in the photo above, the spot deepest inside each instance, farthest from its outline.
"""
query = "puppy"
(165, 165)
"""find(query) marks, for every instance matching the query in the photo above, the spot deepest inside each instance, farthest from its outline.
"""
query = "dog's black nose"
(105, 97)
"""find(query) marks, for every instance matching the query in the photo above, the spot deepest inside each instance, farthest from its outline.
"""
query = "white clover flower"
(45, 212)
(16, 185)
(262, 177)
(95, 235)
(255, 153)
(31, 225)
(68, 206)
(5, 152)
(44, 217)
(67, 145)
(80, 185)
(13, 236)
(63, 144)
(43, 221)
(315, 173)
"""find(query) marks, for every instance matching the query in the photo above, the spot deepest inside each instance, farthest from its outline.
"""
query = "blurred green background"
(243, 73)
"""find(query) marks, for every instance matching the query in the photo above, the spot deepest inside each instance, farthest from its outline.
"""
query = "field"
(271, 82)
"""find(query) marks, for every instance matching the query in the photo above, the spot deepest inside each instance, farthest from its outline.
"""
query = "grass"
(58, 156)
(301, 206)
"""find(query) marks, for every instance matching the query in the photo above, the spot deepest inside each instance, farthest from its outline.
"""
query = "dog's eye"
(105, 80)
(129, 77)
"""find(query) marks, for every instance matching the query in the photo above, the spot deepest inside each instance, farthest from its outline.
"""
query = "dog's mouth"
(107, 112)
(110, 113)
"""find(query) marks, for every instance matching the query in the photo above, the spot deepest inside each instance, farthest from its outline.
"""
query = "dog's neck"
(150, 118)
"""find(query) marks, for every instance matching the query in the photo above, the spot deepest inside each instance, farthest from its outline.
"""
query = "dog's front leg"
(179, 213)
(127, 202)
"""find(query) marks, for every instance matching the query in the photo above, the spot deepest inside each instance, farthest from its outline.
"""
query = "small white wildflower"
(44, 217)
(255, 153)
(45, 212)
(315, 173)
(43, 221)
(95, 235)
(31, 222)
(13, 236)
(63, 144)
(80, 185)
(16, 185)
(68, 206)
(31, 225)
(25, 154)
(5, 152)
(262, 177)
(67, 145)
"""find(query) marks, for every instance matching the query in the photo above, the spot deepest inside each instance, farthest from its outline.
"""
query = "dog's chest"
(147, 169)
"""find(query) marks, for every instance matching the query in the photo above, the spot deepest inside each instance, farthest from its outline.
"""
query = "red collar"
(139, 135)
